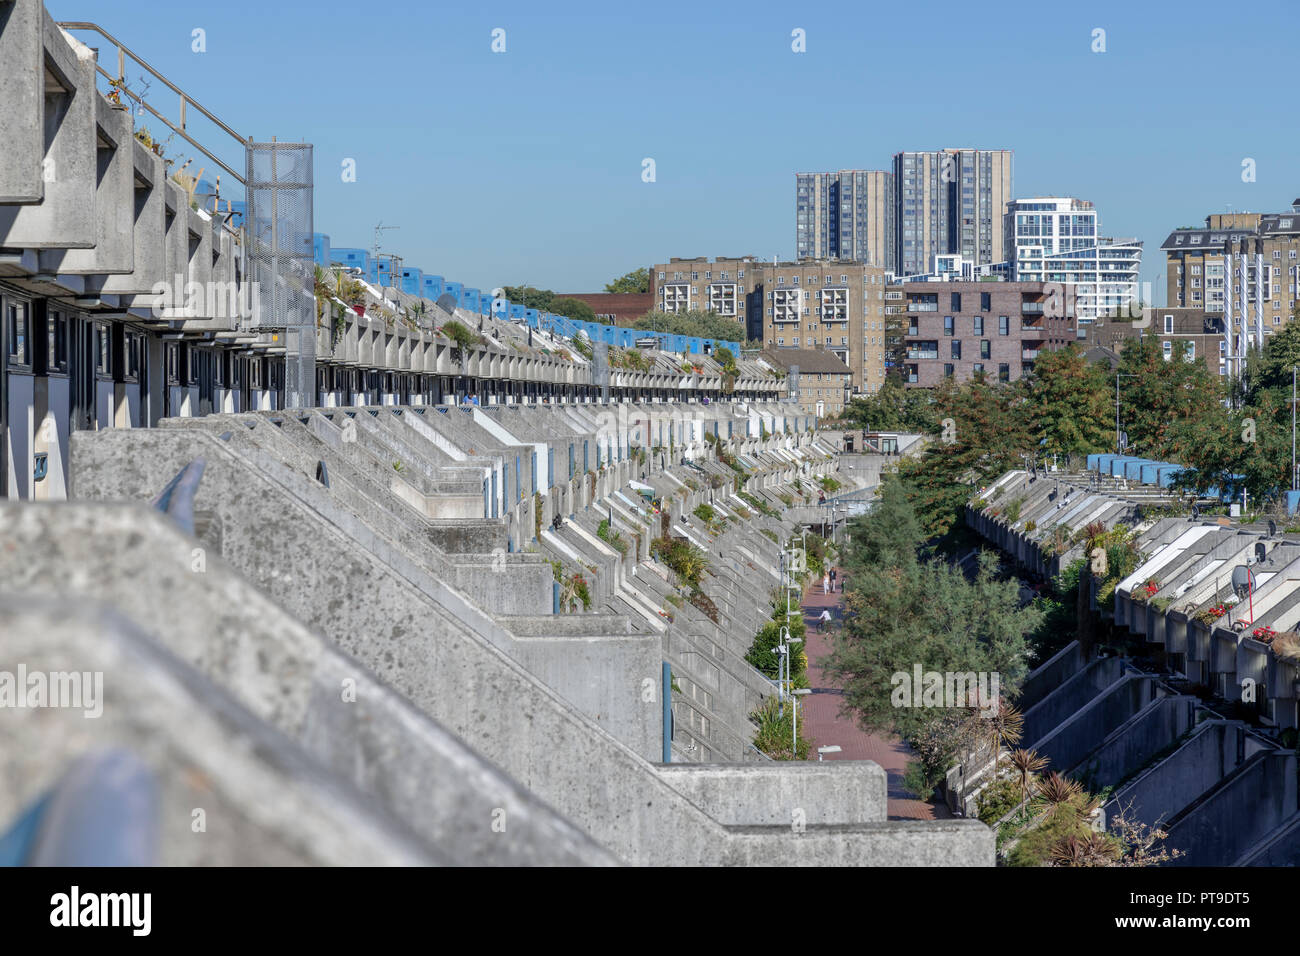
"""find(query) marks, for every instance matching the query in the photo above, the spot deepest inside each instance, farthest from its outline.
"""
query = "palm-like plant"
(1057, 794)
(1026, 764)
(1005, 725)
(1092, 849)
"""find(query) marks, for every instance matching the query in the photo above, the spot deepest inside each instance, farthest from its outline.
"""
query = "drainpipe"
(668, 712)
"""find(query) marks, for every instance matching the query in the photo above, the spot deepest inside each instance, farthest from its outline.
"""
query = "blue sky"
(525, 166)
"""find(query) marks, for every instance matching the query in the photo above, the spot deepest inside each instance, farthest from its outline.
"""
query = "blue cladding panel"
(412, 282)
(320, 247)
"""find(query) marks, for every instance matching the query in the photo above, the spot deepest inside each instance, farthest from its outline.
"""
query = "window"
(979, 368)
(986, 301)
(985, 349)
(1004, 372)
(947, 325)
(56, 356)
(956, 301)
(20, 345)
(947, 370)
(1168, 348)
(1004, 325)
(956, 348)
(1169, 324)
(1190, 352)
(103, 354)
(173, 364)
(979, 325)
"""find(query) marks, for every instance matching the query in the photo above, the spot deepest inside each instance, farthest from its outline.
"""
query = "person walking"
(826, 583)
(833, 573)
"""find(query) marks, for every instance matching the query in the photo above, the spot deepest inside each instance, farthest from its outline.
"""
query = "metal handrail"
(119, 83)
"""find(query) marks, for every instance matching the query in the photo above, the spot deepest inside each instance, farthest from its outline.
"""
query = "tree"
(989, 433)
(638, 280)
(893, 408)
(573, 308)
(1070, 403)
(526, 295)
(905, 611)
(706, 325)
(1160, 398)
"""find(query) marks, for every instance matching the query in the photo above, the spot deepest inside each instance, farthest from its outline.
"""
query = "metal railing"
(119, 84)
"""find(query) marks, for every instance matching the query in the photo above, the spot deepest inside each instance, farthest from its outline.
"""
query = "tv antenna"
(395, 260)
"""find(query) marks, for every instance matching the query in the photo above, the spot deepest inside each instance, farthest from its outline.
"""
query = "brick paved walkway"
(821, 718)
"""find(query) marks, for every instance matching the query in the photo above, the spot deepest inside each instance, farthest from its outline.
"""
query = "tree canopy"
(638, 280)
(547, 301)
(708, 325)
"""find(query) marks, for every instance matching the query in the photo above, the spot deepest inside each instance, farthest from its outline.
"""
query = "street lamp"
(794, 720)
(832, 749)
(1118, 376)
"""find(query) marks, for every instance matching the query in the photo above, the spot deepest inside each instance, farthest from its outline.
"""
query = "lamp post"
(1118, 376)
(794, 719)
(832, 749)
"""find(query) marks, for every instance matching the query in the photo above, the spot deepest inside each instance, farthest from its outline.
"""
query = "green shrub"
(686, 560)
(459, 333)
(776, 730)
(998, 800)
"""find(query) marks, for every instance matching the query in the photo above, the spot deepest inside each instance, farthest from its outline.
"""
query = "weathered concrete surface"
(791, 794)
(264, 801)
(464, 681)
(137, 560)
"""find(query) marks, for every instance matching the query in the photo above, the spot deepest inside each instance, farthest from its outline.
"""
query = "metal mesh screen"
(280, 259)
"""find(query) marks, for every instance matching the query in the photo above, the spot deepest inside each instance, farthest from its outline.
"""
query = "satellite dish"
(447, 302)
(1241, 580)
(1261, 551)
(498, 293)
(1196, 511)
(1272, 528)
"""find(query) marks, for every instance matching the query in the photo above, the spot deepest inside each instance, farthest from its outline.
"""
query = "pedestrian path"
(821, 718)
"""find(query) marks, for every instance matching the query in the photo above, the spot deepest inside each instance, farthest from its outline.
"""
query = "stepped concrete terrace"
(1162, 734)
(393, 541)
(557, 701)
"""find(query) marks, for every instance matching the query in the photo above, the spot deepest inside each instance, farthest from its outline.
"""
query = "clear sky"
(526, 166)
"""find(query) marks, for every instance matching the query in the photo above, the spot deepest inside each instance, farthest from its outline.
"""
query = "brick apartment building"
(722, 285)
(819, 304)
(825, 382)
(957, 329)
(1195, 329)
(832, 305)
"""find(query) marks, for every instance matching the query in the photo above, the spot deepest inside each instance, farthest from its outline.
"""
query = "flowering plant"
(1146, 591)
(1265, 634)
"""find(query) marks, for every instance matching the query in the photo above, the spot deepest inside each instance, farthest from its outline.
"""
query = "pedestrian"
(826, 584)
(843, 581)
(832, 577)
